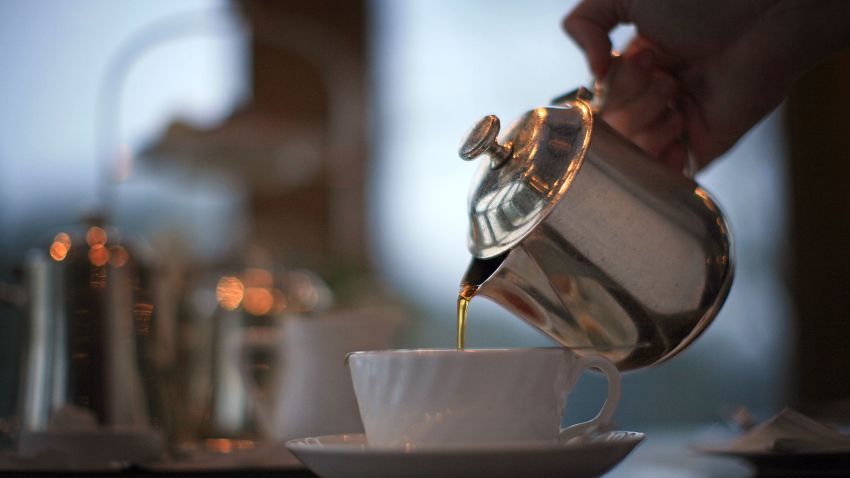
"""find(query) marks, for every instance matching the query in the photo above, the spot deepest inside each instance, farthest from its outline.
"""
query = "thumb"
(589, 24)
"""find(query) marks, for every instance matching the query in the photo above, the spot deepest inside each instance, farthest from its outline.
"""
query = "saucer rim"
(630, 438)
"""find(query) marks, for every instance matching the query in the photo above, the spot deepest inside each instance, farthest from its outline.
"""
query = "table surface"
(671, 453)
(664, 453)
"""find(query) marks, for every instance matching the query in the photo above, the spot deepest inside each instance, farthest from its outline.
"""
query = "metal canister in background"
(87, 373)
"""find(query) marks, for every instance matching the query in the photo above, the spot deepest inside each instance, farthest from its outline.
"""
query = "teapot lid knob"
(482, 140)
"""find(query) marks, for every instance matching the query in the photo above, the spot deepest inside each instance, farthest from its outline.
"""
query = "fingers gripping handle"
(597, 97)
(598, 94)
(601, 89)
(605, 416)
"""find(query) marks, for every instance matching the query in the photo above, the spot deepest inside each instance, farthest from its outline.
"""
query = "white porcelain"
(787, 432)
(450, 397)
(789, 444)
(350, 456)
(311, 392)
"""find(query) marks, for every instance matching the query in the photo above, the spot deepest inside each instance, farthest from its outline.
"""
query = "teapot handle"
(597, 96)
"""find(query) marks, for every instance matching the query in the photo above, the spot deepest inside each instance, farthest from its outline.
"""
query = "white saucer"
(349, 456)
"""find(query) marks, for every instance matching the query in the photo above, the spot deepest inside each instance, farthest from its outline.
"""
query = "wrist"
(802, 33)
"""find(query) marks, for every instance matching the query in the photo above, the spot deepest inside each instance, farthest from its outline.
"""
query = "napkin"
(790, 432)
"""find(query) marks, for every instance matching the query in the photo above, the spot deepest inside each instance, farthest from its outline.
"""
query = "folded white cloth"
(790, 432)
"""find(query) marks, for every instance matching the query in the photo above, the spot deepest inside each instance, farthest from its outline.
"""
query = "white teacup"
(450, 397)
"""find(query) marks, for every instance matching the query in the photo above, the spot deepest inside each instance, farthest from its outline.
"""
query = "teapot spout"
(552, 302)
(477, 273)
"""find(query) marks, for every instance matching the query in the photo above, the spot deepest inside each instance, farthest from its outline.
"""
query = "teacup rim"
(453, 351)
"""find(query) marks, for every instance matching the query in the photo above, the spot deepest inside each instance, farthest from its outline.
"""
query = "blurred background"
(322, 136)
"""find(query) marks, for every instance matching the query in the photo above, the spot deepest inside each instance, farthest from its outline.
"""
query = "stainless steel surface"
(508, 202)
(483, 140)
(90, 337)
(589, 240)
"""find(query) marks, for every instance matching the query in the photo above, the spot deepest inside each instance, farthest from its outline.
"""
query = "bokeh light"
(229, 292)
(258, 300)
(60, 247)
(96, 236)
(118, 256)
(98, 255)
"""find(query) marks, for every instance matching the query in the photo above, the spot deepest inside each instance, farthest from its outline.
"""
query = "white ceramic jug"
(309, 391)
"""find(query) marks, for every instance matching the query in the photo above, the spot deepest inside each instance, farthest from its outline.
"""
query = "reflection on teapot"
(577, 231)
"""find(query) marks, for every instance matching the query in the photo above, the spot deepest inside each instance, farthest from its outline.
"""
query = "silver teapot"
(577, 231)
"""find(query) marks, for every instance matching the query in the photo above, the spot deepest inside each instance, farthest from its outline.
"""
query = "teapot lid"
(527, 173)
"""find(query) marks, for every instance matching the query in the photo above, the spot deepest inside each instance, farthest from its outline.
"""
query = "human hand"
(640, 103)
(730, 63)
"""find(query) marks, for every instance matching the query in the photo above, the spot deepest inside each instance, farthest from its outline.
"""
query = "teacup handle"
(603, 419)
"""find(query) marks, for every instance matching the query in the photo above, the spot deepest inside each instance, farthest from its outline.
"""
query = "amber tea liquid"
(479, 270)
(467, 291)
